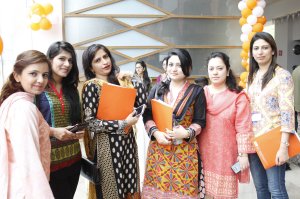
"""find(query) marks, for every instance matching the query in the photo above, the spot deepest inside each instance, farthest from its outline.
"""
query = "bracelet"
(285, 143)
(243, 154)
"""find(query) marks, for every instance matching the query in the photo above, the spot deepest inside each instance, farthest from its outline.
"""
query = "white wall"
(18, 37)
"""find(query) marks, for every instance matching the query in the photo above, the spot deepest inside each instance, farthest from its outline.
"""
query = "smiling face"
(217, 71)
(61, 65)
(174, 69)
(262, 52)
(101, 64)
(33, 78)
(139, 69)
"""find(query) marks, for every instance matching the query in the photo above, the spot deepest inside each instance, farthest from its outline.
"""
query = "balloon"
(244, 63)
(246, 12)
(250, 35)
(251, 19)
(37, 9)
(261, 3)
(45, 24)
(246, 45)
(257, 27)
(246, 28)
(242, 21)
(242, 84)
(244, 54)
(244, 37)
(243, 76)
(251, 3)
(242, 5)
(1, 45)
(261, 19)
(258, 11)
(35, 26)
(48, 8)
(35, 18)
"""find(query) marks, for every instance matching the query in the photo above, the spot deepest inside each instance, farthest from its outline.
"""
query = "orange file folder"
(162, 115)
(267, 145)
(116, 102)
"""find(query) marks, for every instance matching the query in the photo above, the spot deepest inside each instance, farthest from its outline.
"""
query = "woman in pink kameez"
(24, 134)
(226, 138)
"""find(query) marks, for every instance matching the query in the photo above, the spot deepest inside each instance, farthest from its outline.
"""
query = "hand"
(64, 134)
(131, 120)
(244, 162)
(125, 75)
(282, 155)
(178, 133)
(162, 138)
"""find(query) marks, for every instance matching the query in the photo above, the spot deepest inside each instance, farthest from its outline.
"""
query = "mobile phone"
(78, 127)
(236, 167)
(139, 110)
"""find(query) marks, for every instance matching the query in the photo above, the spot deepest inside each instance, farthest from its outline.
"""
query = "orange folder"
(162, 115)
(267, 145)
(116, 102)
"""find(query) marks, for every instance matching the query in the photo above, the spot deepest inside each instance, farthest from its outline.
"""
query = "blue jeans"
(270, 182)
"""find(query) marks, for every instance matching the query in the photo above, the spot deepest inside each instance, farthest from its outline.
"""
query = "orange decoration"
(1, 45)
(48, 8)
(35, 26)
(250, 35)
(244, 54)
(261, 19)
(242, 21)
(246, 12)
(246, 46)
(242, 84)
(244, 63)
(244, 76)
(251, 4)
(45, 24)
(258, 27)
(37, 9)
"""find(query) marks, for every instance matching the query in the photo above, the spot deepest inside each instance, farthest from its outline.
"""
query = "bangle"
(285, 143)
(243, 154)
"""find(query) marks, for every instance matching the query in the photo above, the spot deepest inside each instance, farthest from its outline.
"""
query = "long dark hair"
(23, 60)
(186, 66)
(230, 79)
(70, 82)
(254, 65)
(87, 58)
(146, 79)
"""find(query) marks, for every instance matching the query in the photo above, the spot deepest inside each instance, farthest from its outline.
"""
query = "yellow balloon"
(1, 45)
(242, 84)
(37, 9)
(35, 26)
(244, 76)
(48, 8)
(45, 24)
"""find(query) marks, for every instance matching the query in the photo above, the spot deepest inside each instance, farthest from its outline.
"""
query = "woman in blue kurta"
(60, 106)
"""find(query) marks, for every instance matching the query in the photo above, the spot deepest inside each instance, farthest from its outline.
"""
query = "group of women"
(212, 126)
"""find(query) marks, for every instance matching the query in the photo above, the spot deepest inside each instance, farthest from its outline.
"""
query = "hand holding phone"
(236, 167)
(78, 127)
(139, 110)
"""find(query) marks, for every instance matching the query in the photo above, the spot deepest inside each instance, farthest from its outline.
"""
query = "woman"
(226, 138)
(270, 89)
(111, 144)
(60, 106)
(176, 171)
(141, 74)
(24, 134)
(163, 76)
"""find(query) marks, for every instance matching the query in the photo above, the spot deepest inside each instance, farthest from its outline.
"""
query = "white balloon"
(246, 28)
(251, 19)
(242, 5)
(262, 3)
(258, 11)
(244, 37)
(35, 18)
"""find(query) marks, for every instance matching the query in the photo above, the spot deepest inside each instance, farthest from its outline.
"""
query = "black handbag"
(90, 171)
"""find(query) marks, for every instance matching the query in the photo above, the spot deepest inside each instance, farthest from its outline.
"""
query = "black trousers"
(64, 181)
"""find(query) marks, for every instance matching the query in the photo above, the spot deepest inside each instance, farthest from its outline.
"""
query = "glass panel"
(135, 21)
(199, 7)
(79, 29)
(125, 7)
(131, 67)
(136, 39)
(197, 31)
(135, 52)
(199, 59)
(73, 5)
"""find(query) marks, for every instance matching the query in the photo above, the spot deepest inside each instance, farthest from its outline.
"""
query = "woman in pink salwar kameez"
(226, 138)
(24, 134)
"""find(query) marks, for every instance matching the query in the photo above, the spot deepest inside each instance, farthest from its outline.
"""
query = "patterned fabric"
(63, 153)
(114, 150)
(296, 80)
(275, 103)
(227, 133)
(177, 172)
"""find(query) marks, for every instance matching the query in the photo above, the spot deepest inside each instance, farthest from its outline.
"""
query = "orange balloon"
(37, 9)
(246, 12)
(35, 26)
(251, 4)
(48, 8)
(244, 76)
(250, 35)
(1, 45)
(242, 21)
(261, 19)
(45, 24)
(244, 54)
(258, 27)
(242, 84)
(244, 63)
(246, 45)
